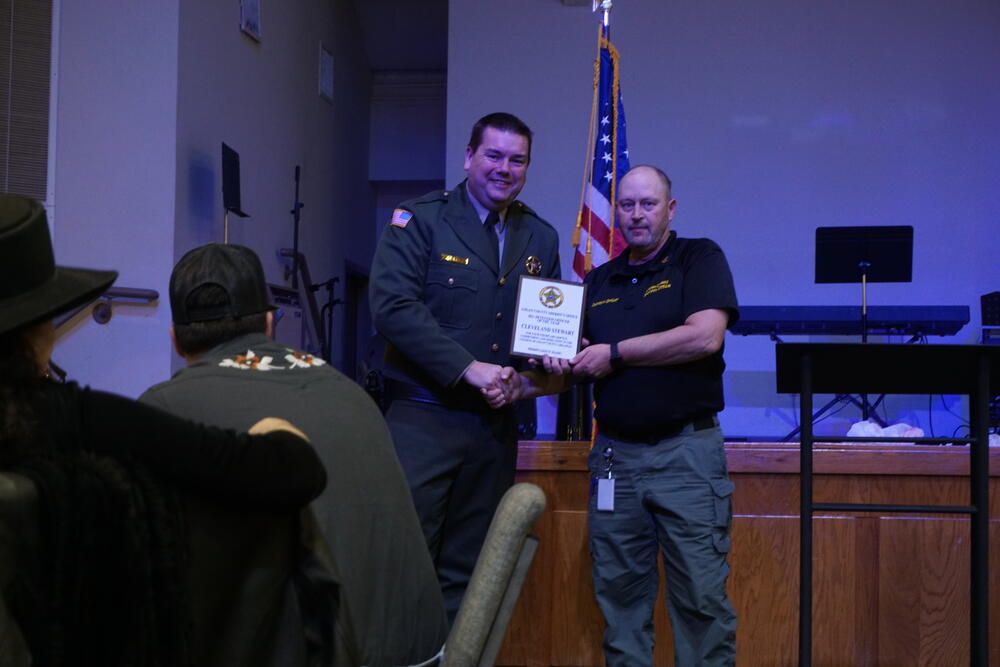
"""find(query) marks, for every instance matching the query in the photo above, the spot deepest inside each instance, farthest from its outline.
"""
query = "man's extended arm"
(401, 316)
(398, 309)
(701, 335)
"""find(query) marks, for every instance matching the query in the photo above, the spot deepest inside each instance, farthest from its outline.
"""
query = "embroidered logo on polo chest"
(663, 284)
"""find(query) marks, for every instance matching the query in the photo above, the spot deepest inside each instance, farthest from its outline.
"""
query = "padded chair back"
(243, 605)
(18, 557)
(496, 582)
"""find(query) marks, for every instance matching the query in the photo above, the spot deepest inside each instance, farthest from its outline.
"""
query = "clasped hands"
(502, 385)
(499, 385)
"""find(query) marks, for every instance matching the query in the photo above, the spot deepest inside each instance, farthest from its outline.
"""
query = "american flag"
(595, 224)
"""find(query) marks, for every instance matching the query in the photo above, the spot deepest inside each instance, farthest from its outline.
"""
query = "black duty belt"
(395, 390)
(462, 398)
(699, 424)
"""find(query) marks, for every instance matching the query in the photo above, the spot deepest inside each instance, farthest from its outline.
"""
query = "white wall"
(772, 118)
(114, 177)
(262, 99)
(147, 92)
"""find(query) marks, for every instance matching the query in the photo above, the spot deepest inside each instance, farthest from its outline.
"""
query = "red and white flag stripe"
(594, 219)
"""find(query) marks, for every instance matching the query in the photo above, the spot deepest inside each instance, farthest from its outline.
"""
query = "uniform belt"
(396, 390)
(699, 424)
(463, 397)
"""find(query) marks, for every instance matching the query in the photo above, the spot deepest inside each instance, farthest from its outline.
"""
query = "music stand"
(230, 188)
(864, 255)
(881, 254)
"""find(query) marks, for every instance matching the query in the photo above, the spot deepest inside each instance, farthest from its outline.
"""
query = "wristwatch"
(617, 363)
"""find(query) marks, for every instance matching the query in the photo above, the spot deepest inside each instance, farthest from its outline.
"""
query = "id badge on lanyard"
(606, 484)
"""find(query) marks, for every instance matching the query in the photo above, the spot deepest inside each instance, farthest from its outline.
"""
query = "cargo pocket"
(722, 489)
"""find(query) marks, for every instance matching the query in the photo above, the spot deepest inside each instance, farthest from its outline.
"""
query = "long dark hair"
(20, 384)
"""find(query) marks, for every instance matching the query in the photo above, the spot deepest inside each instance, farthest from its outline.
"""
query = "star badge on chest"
(533, 265)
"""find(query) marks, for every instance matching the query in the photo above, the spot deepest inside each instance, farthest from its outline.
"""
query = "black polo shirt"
(623, 301)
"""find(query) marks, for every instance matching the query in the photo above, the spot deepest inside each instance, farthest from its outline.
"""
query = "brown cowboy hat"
(32, 287)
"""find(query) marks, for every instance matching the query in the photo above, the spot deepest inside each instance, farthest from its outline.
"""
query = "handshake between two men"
(503, 385)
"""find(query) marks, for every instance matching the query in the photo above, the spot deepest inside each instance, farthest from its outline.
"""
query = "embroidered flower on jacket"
(302, 360)
(250, 361)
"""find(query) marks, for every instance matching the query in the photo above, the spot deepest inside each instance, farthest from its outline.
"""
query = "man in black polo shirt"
(656, 319)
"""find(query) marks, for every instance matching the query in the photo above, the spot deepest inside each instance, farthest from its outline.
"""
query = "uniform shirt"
(483, 212)
(438, 294)
(624, 301)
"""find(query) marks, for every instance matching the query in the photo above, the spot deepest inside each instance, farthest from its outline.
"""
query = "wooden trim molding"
(783, 457)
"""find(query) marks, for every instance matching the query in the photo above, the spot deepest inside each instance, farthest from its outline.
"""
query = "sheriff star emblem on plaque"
(551, 296)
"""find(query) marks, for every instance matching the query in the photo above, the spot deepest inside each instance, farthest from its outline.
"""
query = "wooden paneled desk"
(888, 589)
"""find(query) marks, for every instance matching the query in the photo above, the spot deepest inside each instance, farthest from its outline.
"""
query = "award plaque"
(548, 318)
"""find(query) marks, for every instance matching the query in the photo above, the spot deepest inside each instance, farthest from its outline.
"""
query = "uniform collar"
(482, 211)
(463, 217)
(623, 268)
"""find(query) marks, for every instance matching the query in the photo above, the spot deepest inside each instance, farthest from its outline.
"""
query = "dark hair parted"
(504, 122)
(198, 337)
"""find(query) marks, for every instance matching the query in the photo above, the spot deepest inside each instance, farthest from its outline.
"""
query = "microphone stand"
(296, 207)
(864, 266)
(326, 314)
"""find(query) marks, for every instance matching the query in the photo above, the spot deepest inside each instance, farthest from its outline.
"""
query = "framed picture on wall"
(325, 73)
(250, 18)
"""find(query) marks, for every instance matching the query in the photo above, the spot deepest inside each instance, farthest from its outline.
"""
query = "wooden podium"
(835, 368)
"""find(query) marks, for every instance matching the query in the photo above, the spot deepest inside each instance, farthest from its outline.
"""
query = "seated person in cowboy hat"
(89, 528)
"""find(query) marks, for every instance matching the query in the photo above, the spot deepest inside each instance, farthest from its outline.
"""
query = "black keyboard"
(846, 320)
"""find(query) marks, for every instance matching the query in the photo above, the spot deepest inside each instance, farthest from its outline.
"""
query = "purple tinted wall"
(772, 118)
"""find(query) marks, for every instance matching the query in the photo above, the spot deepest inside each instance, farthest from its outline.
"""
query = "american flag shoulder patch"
(400, 217)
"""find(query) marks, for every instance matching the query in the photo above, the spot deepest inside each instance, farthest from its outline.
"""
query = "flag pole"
(605, 40)
(605, 140)
(602, 41)
(588, 163)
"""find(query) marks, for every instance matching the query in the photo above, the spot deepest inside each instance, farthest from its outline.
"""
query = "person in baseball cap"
(233, 269)
(217, 293)
(389, 609)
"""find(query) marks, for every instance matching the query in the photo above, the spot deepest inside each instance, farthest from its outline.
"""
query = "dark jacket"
(92, 562)
(437, 294)
(389, 607)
